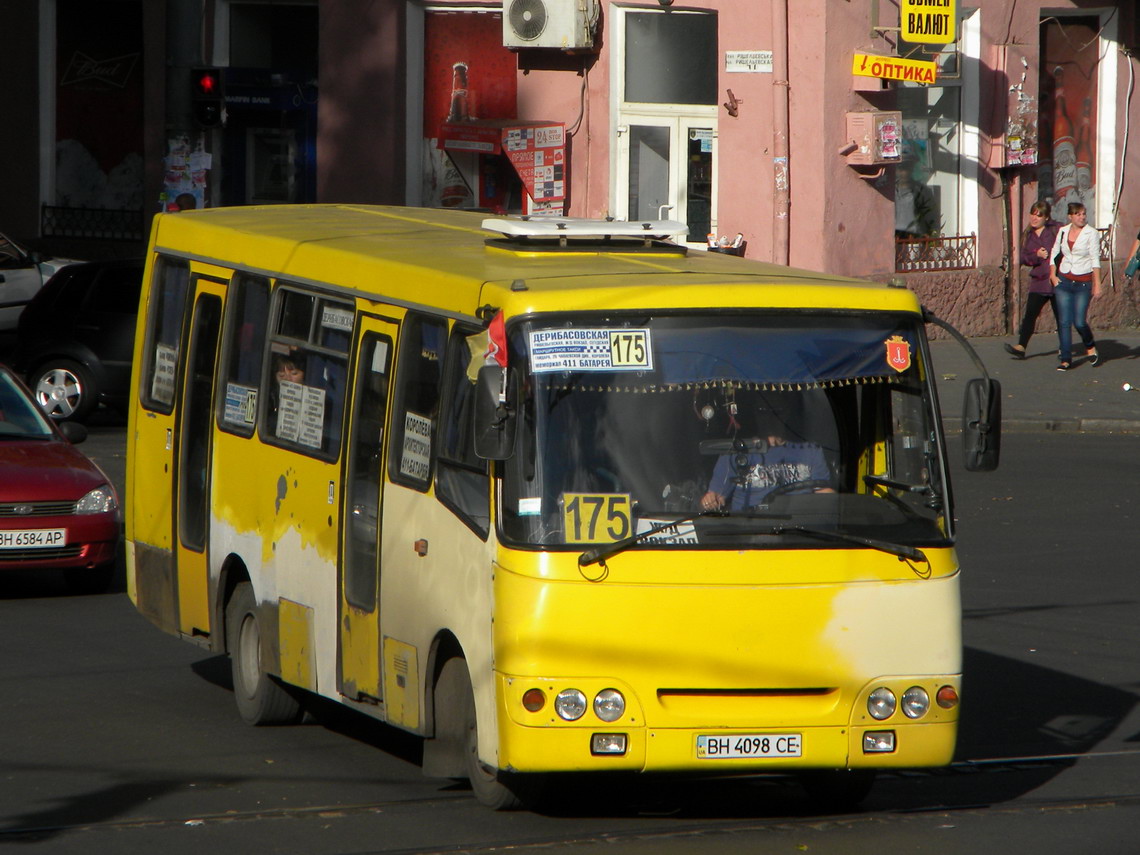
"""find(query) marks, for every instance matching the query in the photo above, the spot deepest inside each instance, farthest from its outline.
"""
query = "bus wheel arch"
(442, 757)
(232, 574)
(261, 698)
(456, 740)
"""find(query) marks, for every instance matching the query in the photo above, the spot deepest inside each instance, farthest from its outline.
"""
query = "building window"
(936, 179)
(929, 178)
(665, 96)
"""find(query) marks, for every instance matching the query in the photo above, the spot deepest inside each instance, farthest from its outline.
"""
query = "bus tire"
(456, 723)
(838, 790)
(261, 700)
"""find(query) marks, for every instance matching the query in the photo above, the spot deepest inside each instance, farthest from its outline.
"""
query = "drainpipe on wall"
(781, 197)
(1012, 258)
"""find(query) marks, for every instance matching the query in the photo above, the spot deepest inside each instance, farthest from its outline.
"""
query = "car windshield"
(20, 418)
(723, 431)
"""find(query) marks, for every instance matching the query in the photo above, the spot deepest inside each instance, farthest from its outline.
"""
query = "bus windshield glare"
(723, 432)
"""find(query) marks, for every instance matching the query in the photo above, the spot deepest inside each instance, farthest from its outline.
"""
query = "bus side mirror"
(496, 402)
(981, 425)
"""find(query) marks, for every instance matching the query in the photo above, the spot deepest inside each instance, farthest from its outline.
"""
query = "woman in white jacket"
(1076, 280)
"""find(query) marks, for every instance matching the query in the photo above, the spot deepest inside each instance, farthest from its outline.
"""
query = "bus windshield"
(724, 431)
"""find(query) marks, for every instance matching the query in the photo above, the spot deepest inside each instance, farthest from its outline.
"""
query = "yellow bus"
(558, 496)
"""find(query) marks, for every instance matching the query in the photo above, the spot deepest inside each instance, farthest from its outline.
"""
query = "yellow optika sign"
(928, 21)
(894, 68)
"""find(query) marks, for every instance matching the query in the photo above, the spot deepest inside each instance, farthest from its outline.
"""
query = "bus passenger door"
(358, 674)
(192, 459)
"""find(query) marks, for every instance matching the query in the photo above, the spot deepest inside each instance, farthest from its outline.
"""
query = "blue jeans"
(1072, 301)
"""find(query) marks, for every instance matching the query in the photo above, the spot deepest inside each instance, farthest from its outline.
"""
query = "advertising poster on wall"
(99, 163)
(1069, 66)
(467, 77)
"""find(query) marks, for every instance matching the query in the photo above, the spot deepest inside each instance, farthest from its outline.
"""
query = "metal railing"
(100, 223)
(1106, 243)
(915, 255)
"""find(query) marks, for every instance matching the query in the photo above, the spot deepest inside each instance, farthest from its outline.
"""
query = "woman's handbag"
(1133, 266)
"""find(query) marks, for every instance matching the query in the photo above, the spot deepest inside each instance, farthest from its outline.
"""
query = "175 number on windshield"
(630, 349)
(596, 517)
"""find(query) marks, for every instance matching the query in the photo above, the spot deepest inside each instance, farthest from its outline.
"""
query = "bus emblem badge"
(898, 353)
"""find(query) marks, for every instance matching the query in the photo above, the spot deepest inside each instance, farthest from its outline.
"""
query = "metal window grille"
(102, 223)
(913, 255)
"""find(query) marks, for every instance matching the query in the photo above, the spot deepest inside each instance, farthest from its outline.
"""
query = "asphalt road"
(118, 738)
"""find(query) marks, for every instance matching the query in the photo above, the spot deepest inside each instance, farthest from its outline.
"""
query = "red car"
(57, 508)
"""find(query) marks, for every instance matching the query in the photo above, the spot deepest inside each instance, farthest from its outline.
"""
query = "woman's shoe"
(1014, 352)
(1094, 357)
(1064, 366)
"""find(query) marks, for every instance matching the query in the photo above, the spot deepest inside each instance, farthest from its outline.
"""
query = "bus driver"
(746, 479)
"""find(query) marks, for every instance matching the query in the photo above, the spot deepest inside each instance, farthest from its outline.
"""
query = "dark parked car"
(75, 338)
(22, 274)
(58, 511)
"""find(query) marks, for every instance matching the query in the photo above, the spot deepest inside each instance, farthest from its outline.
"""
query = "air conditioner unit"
(565, 24)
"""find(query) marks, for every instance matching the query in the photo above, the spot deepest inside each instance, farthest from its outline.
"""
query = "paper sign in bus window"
(578, 349)
(336, 318)
(312, 422)
(415, 458)
(241, 404)
(667, 532)
(289, 399)
(165, 369)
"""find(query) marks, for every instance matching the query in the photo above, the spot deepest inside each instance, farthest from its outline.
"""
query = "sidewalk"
(1035, 396)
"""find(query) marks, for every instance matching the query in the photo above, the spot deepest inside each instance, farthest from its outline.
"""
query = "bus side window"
(419, 372)
(164, 333)
(461, 480)
(305, 379)
(244, 349)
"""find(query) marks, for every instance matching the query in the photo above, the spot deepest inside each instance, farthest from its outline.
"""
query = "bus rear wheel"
(260, 698)
(456, 722)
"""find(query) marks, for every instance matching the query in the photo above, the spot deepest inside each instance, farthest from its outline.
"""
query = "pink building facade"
(737, 117)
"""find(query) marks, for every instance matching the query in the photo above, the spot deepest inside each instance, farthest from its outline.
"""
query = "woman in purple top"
(1035, 248)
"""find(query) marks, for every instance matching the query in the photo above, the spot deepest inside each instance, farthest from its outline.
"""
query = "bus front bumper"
(713, 751)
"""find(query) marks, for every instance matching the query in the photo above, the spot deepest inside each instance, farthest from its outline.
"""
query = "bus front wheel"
(456, 723)
(260, 698)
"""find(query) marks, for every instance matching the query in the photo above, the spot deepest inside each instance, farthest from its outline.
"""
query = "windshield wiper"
(599, 554)
(908, 552)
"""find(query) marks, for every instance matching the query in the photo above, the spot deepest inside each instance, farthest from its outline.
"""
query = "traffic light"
(207, 94)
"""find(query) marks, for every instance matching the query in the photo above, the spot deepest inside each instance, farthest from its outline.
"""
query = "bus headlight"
(915, 702)
(609, 705)
(882, 703)
(570, 704)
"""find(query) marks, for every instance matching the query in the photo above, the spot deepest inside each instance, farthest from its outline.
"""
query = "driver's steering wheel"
(796, 486)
